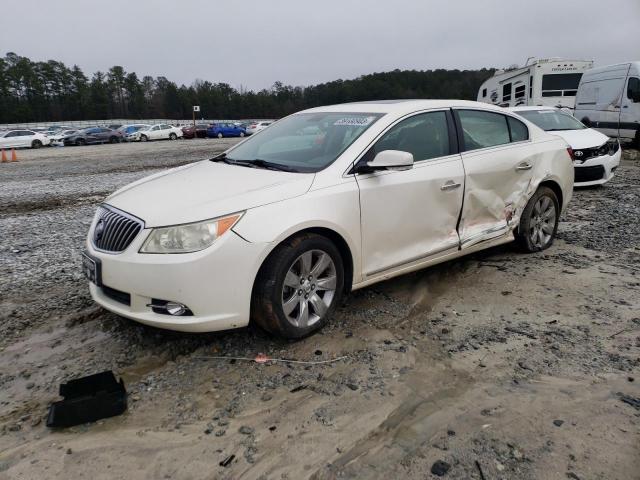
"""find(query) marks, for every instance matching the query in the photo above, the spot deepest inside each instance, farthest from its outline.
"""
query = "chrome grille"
(114, 230)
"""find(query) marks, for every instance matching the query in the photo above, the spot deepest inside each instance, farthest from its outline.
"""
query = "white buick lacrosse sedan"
(278, 228)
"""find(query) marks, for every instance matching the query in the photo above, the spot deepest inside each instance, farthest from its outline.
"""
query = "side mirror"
(392, 160)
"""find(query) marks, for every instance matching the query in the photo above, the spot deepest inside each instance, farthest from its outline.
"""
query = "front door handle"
(524, 166)
(450, 185)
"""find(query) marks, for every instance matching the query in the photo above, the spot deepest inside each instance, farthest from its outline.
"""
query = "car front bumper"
(597, 170)
(215, 284)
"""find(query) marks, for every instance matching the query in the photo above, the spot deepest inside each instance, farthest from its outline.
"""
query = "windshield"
(552, 120)
(305, 142)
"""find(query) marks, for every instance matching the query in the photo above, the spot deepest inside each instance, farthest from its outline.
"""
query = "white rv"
(609, 100)
(550, 82)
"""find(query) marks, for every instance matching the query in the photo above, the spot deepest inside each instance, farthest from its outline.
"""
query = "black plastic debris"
(88, 399)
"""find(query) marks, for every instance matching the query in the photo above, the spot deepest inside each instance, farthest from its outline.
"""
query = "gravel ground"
(498, 365)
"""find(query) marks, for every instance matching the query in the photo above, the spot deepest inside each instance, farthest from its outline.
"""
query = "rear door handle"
(524, 166)
(450, 185)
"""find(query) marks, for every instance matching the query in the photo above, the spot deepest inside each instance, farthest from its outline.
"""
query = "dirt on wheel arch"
(498, 365)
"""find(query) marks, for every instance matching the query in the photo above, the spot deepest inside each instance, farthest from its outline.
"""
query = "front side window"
(483, 129)
(552, 120)
(425, 136)
(156, 128)
(305, 142)
(633, 89)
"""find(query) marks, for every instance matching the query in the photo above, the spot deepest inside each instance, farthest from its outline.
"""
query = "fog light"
(167, 307)
(174, 308)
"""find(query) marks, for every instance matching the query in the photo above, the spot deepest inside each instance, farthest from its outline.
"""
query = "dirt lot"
(499, 365)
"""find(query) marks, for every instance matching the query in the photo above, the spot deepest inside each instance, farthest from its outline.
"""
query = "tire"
(220, 135)
(36, 144)
(81, 142)
(241, 134)
(144, 138)
(287, 298)
(113, 139)
(173, 136)
(539, 221)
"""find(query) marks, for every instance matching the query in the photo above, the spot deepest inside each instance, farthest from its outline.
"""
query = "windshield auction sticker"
(355, 121)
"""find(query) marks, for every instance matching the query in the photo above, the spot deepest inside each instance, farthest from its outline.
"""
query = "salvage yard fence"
(103, 123)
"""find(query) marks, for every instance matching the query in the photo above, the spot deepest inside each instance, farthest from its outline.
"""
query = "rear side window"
(483, 129)
(425, 136)
(519, 131)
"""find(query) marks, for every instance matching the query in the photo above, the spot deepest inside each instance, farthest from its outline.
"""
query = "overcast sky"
(254, 43)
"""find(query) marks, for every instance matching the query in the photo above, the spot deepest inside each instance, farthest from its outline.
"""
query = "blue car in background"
(221, 130)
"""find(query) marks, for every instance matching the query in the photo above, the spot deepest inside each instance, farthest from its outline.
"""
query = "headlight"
(192, 237)
(610, 147)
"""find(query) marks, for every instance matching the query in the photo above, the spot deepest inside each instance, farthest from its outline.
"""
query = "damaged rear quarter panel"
(496, 192)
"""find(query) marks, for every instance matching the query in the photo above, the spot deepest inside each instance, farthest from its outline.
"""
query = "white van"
(550, 82)
(609, 100)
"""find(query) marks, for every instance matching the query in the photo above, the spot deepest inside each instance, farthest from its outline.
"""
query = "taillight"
(570, 152)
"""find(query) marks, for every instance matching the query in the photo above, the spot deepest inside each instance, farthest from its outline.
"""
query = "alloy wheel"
(309, 288)
(542, 222)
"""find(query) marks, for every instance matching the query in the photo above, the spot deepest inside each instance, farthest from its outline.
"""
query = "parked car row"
(59, 135)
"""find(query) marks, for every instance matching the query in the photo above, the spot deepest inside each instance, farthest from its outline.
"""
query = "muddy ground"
(495, 366)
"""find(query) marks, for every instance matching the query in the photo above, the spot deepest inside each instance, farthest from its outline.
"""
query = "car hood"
(203, 190)
(579, 139)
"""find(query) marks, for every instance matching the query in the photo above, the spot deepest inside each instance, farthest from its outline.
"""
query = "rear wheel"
(299, 286)
(172, 136)
(220, 135)
(539, 221)
(242, 134)
(36, 144)
(113, 139)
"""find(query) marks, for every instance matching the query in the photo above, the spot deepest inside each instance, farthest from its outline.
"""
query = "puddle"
(142, 368)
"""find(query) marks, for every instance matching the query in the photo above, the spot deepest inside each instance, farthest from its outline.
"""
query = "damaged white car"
(325, 201)
(596, 156)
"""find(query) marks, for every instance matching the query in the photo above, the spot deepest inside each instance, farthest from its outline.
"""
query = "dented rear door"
(499, 168)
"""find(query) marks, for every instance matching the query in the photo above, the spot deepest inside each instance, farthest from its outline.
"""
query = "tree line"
(32, 91)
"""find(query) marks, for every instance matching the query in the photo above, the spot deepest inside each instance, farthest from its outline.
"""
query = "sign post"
(196, 108)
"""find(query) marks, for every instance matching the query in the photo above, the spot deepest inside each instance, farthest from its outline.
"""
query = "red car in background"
(200, 131)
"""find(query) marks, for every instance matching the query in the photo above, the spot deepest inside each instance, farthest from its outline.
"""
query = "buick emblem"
(578, 153)
(99, 230)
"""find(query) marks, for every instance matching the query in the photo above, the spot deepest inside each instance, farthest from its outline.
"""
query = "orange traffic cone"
(4, 157)
(14, 157)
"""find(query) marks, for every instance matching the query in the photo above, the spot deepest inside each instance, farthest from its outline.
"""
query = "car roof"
(401, 106)
(533, 108)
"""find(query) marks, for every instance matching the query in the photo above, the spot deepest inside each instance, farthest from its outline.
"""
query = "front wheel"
(220, 135)
(80, 142)
(36, 144)
(172, 136)
(298, 287)
(113, 139)
(539, 221)
(242, 134)
(144, 138)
